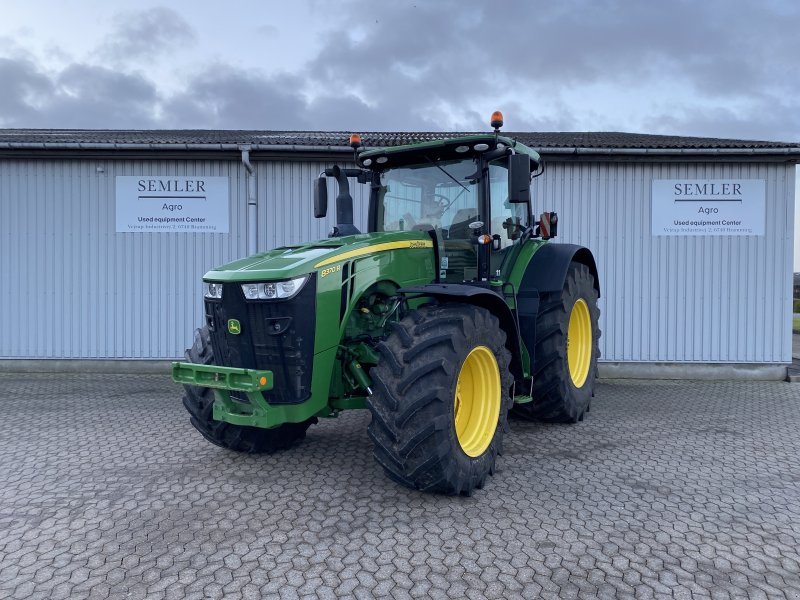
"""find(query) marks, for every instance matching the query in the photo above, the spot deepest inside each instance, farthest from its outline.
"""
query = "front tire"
(199, 401)
(442, 395)
(566, 351)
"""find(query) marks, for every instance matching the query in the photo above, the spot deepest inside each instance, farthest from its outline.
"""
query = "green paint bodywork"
(223, 380)
(380, 273)
(512, 271)
(341, 361)
(228, 378)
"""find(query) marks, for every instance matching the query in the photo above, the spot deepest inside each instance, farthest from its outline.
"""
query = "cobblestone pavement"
(668, 489)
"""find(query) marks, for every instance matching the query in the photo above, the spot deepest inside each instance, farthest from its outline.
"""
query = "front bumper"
(223, 380)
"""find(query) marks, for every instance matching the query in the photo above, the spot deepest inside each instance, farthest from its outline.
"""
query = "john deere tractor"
(451, 311)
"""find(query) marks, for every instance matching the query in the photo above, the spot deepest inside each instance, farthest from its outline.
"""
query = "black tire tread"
(555, 397)
(411, 427)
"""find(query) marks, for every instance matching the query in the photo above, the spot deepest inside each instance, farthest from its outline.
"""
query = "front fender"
(485, 298)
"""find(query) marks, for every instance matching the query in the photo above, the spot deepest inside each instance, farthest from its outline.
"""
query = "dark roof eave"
(671, 151)
(170, 147)
(336, 149)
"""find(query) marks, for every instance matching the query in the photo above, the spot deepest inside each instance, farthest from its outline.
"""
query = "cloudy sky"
(717, 68)
(723, 68)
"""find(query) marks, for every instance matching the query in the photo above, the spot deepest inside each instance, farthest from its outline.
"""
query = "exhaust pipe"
(344, 203)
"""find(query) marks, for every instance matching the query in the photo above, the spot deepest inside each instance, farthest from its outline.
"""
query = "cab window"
(441, 195)
(507, 218)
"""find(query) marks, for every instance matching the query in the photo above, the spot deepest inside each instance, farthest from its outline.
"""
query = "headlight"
(273, 290)
(212, 290)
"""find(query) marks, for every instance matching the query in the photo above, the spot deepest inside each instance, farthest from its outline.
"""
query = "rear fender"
(547, 269)
(546, 273)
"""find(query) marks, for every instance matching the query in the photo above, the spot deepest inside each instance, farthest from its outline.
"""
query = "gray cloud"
(770, 119)
(145, 35)
(23, 87)
(88, 96)
(223, 97)
(79, 96)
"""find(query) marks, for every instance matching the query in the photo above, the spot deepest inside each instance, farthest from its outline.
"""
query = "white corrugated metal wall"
(682, 299)
(70, 287)
(73, 288)
(286, 203)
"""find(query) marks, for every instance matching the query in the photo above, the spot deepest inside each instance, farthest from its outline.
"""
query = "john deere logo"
(234, 327)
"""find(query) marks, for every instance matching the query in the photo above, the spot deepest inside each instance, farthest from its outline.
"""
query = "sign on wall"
(172, 204)
(708, 206)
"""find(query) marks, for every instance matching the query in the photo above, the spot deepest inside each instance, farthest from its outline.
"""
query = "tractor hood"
(292, 261)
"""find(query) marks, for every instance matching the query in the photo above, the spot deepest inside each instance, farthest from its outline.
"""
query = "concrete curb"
(694, 371)
(606, 370)
(119, 367)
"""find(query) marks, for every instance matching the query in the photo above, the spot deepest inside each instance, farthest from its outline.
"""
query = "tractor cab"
(459, 190)
(472, 194)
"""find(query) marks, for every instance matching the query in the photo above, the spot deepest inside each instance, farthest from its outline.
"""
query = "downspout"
(252, 202)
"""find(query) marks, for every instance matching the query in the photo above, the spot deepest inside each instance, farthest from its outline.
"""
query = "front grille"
(276, 335)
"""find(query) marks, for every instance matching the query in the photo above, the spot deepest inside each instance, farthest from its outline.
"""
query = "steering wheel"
(444, 202)
(512, 228)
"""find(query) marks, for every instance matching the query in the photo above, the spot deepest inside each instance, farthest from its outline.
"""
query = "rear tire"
(441, 400)
(199, 401)
(563, 379)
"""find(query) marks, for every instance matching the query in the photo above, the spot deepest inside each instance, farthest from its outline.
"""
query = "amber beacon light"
(355, 140)
(497, 120)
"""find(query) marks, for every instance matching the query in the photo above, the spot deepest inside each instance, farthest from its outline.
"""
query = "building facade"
(77, 287)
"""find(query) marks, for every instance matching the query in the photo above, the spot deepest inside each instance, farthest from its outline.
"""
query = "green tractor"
(447, 314)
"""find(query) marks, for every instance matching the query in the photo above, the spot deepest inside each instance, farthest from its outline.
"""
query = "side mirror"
(321, 197)
(519, 179)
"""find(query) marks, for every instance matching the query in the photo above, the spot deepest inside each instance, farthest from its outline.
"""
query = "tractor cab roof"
(444, 149)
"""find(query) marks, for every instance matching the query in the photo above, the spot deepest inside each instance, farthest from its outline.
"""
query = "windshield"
(442, 195)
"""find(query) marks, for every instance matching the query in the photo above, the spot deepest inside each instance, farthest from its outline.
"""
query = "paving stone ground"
(667, 490)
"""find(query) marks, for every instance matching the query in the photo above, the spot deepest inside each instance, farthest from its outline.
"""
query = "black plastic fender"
(547, 270)
(546, 273)
(485, 298)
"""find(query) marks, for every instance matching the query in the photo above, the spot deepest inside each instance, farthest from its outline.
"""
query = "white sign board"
(170, 204)
(708, 206)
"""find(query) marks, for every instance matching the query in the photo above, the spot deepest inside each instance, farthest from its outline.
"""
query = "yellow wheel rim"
(477, 403)
(579, 342)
